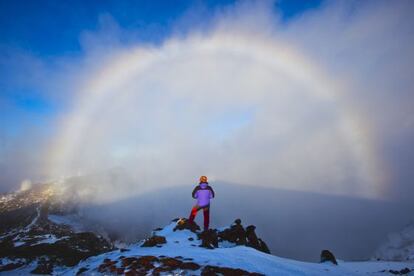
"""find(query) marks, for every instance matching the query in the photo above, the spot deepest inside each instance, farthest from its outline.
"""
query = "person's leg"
(206, 212)
(193, 213)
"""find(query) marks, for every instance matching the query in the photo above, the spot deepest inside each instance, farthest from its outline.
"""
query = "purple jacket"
(203, 192)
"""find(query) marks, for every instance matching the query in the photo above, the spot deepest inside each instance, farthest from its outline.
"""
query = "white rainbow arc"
(101, 88)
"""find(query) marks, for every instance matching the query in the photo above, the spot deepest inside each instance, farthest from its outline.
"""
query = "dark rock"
(251, 236)
(327, 256)
(133, 272)
(81, 270)
(404, 271)
(189, 266)
(171, 262)
(184, 223)
(235, 234)
(147, 261)
(153, 241)
(209, 239)
(238, 235)
(263, 247)
(128, 261)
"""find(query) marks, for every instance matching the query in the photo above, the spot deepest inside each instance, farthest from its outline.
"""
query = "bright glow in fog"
(239, 108)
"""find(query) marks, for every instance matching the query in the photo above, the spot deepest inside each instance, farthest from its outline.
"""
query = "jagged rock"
(154, 241)
(254, 241)
(235, 234)
(263, 247)
(327, 256)
(251, 236)
(238, 235)
(209, 239)
(184, 223)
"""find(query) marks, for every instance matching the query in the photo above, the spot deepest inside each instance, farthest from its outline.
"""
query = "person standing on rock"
(203, 193)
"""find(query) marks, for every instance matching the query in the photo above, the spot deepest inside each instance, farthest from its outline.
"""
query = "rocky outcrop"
(328, 256)
(183, 223)
(33, 238)
(152, 265)
(154, 241)
(209, 239)
(240, 236)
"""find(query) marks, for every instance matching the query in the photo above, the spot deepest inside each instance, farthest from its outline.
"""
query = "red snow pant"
(206, 212)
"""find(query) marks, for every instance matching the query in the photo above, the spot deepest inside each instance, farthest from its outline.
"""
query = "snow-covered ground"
(184, 243)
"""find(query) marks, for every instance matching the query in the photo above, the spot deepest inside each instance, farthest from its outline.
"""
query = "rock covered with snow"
(398, 247)
(183, 253)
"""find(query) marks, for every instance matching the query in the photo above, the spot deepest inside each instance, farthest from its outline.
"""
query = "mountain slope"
(183, 254)
(32, 236)
(42, 234)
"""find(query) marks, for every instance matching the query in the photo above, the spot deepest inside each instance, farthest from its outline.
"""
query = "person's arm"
(195, 191)
(212, 191)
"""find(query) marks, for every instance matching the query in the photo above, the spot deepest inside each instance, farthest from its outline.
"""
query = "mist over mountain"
(294, 224)
(45, 232)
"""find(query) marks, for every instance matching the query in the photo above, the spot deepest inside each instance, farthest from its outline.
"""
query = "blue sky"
(53, 27)
(47, 30)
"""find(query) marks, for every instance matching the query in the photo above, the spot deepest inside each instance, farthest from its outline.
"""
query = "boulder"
(328, 256)
(184, 223)
(209, 239)
(235, 234)
(154, 241)
(251, 236)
